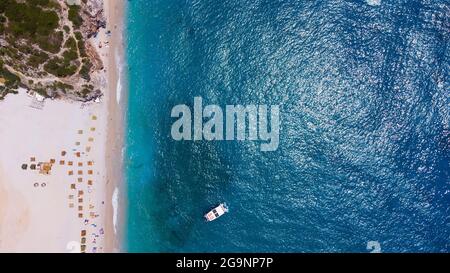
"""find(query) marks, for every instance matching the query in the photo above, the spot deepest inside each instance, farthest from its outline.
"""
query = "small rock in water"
(374, 2)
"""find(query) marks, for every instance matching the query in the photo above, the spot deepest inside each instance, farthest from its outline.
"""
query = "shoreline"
(116, 103)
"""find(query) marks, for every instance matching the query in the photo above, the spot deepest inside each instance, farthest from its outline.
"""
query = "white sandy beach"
(69, 209)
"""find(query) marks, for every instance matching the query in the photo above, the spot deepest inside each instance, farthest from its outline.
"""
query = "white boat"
(216, 212)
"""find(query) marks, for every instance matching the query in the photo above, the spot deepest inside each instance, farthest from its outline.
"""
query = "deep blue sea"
(363, 90)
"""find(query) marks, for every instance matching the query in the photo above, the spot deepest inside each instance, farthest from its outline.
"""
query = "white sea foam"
(119, 89)
(119, 77)
(115, 205)
(374, 2)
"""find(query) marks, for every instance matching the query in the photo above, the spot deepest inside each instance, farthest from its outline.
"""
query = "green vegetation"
(60, 67)
(86, 69)
(87, 89)
(36, 21)
(42, 3)
(79, 36)
(80, 43)
(36, 45)
(42, 92)
(8, 81)
(61, 87)
(66, 66)
(71, 44)
(30, 21)
(52, 42)
(11, 80)
(70, 56)
(37, 59)
(74, 16)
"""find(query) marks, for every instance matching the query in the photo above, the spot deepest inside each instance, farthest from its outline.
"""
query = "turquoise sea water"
(364, 140)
